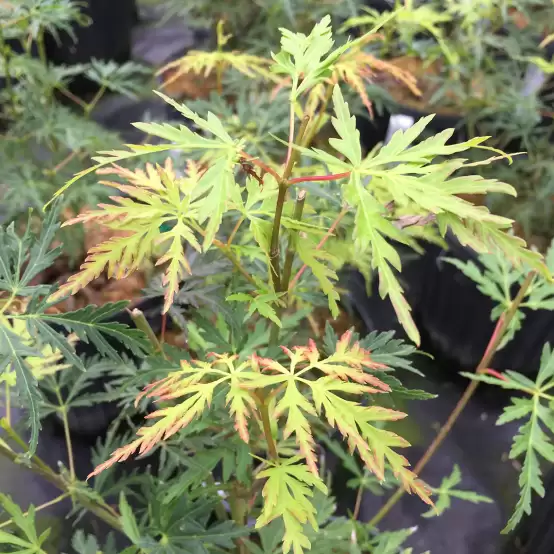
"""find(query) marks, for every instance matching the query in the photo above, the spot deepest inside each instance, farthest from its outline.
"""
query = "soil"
(100, 291)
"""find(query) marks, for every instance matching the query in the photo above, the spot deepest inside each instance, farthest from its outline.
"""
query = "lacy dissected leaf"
(194, 386)
(317, 261)
(183, 526)
(404, 173)
(299, 397)
(287, 494)
(49, 360)
(306, 59)
(446, 491)
(534, 438)
(202, 64)
(13, 353)
(27, 540)
(180, 138)
(496, 275)
(541, 292)
(486, 236)
(156, 211)
(261, 303)
(91, 324)
(127, 78)
(343, 374)
(22, 258)
(357, 68)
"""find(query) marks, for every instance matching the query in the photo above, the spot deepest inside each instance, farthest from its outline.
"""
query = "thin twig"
(39, 508)
(311, 178)
(235, 230)
(499, 331)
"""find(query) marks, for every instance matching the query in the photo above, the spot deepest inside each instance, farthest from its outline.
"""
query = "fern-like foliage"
(299, 396)
(534, 439)
(402, 174)
(203, 64)
(415, 181)
(153, 199)
(445, 492)
(29, 331)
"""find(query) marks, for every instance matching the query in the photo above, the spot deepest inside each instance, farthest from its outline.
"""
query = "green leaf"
(532, 441)
(306, 58)
(326, 276)
(128, 520)
(446, 492)
(345, 125)
(287, 495)
(31, 543)
(13, 352)
(90, 324)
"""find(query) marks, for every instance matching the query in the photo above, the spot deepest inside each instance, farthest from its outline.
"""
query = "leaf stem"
(21, 443)
(228, 253)
(501, 327)
(266, 425)
(235, 230)
(311, 178)
(104, 513)
(8, 403)
(52, 502)
(67, 433)
(283, 186)
(291, 135)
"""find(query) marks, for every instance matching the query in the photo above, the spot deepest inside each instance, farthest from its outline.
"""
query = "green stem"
(8, 402)
(502, 325)
(59, 482)
(22, 444)
(41, 48)
(141, 322)
(39, 508)
(92, 104)
(274, 255)
(239, 509)
(289, 258)
(266, 425)
(228, 253)
(63, 413)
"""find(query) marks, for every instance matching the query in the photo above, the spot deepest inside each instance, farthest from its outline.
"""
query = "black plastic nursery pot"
(455, 315)
(107, 38)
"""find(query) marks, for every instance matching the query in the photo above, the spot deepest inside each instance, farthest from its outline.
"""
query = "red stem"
(332, 177)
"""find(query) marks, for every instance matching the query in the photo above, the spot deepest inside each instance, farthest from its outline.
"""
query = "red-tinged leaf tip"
(344, 340)
(287, 351)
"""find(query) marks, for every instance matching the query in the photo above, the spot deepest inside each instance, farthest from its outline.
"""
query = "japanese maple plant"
(247, 410)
